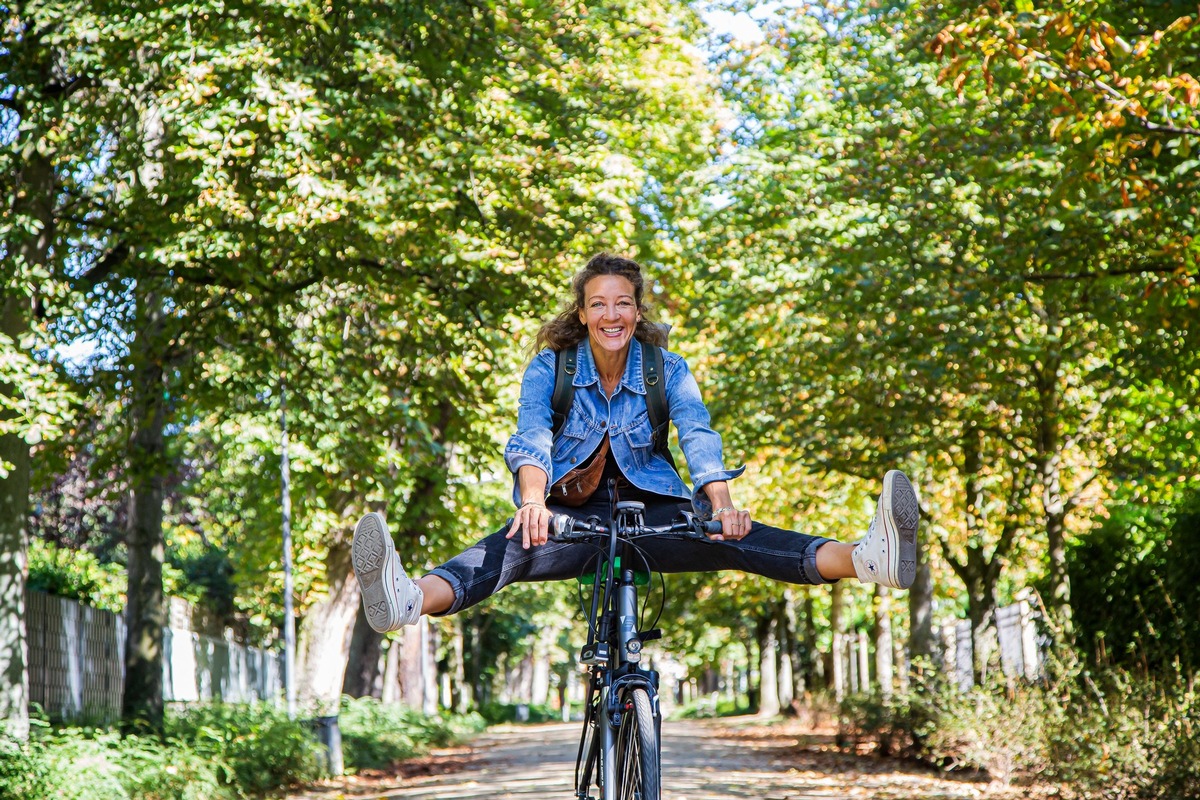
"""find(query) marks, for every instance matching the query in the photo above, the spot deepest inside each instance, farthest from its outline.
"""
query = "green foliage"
(1128, 738)
(1135, 581)
(1000, 730)
(24, 771)
(261, 749)
(76, 764)
(495, 713)
(76, 574)
(1109, 735)
(376, 736)
(709, 708)
(214, 752)
(204, 575)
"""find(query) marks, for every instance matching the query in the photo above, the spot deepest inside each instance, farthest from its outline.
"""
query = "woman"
(608, 420)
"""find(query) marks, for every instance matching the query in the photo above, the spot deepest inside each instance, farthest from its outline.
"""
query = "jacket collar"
(586, 372)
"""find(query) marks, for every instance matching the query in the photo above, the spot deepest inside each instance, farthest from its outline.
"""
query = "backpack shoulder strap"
(564, 387)
(656, 398)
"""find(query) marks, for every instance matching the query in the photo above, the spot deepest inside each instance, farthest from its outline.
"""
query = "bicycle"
(619, 746)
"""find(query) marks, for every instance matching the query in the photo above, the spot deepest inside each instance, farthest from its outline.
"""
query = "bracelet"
(723, 509)
(533, 503)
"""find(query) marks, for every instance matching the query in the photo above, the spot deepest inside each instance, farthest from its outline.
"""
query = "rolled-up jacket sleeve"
(701, 445)
(531, 444)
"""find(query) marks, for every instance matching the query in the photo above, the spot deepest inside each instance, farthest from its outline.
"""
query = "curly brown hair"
(565, 330)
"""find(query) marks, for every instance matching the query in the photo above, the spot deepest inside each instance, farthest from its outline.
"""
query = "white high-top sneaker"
(887, 555)
(390, 598)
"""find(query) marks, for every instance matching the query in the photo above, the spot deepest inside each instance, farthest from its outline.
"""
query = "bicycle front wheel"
(637, 757)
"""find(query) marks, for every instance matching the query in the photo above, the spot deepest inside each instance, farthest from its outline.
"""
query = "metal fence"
(1014, 634)
(1013, 644)
(77, 661)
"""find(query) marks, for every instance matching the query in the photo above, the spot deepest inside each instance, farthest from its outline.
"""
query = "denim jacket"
(624, 418)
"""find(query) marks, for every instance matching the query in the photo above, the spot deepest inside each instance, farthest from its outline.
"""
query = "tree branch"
(104, 268)
(1112, 92)
(1073, 500)
(956, 566)
(1075, 276)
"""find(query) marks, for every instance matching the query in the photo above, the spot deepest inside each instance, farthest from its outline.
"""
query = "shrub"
(708, 708)
(1130, 739)
(1135, 588)
(154, 770)
(24, 771)
(1002, 731)
(260, 748)
(376, 736)
(496, 713)
(77, 764)
(76, 574)
(996, 729)
(1110, 736)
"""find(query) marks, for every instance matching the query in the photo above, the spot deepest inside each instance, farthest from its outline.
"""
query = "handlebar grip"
(561, 524)
(711, 527)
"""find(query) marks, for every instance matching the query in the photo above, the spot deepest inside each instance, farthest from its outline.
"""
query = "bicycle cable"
(584, 609)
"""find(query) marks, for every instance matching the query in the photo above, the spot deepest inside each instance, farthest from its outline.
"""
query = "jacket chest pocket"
(640, 439)
(568, 443)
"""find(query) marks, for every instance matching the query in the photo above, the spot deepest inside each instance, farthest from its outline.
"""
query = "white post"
(289, 619)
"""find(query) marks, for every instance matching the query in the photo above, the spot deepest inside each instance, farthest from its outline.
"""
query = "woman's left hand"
(735, 524)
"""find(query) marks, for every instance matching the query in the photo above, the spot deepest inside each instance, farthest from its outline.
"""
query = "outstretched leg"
(392, 599)
(886, 555)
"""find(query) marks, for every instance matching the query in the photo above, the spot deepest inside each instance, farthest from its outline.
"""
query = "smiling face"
(610, 313)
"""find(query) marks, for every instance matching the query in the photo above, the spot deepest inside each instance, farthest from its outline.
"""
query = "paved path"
(719, 760)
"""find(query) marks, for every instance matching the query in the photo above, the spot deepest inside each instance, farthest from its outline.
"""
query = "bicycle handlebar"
(565, 528)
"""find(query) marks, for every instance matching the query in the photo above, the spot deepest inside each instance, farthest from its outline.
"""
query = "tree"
(33, 399)
(888, 303)
(413, 153)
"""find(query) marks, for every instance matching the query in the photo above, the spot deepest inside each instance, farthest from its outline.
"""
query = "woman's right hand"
(533, 521)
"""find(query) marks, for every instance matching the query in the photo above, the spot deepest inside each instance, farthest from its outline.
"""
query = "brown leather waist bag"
(576, 487)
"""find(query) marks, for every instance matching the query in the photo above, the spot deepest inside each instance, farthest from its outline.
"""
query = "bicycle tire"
(638, 763)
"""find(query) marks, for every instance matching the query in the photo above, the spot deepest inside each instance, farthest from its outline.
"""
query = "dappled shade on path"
(712, 760)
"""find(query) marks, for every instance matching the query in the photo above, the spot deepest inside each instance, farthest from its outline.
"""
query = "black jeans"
(494, 562)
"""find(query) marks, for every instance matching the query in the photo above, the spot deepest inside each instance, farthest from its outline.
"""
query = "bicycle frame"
(613, 653)
(619, 689)
(607, 685)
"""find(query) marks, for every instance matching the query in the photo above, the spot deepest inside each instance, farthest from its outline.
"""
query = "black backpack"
(653, 375)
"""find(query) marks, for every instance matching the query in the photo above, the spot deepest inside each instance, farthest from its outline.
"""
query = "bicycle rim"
(637, 748)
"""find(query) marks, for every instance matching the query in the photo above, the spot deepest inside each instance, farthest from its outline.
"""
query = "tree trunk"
(389, 692)
(864, 663)
(412, 685)
(543, 645)
(145, 611)
(978, 571)
(785, 625)
(33, 211)
(431, 639)
(883, 640)
(324, 646)
(1054, 505)
(363, 676)
(768, 675)
(14, 512)
(474, 624)
(812, 669)
(463, 695)
(921, 642)
(835, 659)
